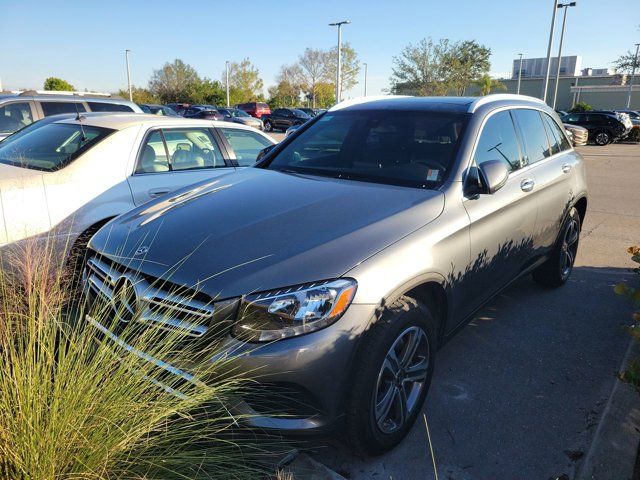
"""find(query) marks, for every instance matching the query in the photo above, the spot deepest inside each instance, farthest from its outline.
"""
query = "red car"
(255, 109)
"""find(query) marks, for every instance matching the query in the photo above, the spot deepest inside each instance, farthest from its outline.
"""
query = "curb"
(613, 450)
(305, 467)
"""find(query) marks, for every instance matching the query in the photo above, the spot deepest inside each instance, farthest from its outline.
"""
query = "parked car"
(634, 116)
(19, 110)
(206, 114)
(235, 115)
(624, 117)
(156, 109)
(283, 118)
(578, 135)
(195, 111)
(603, 128)
(338, 265)
(255, 109)
(64, 177)
(312, 112)
(179, 108)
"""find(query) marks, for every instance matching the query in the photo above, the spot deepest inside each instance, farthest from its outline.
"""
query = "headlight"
(292, 311)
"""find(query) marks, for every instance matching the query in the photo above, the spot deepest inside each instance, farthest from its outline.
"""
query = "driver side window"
(498, 141)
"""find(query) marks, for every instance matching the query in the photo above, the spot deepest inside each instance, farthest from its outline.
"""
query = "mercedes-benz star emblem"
(142, 250)
(125, 299)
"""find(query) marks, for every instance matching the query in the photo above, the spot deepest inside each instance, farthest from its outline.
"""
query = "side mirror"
(264, 151)
(493, 175)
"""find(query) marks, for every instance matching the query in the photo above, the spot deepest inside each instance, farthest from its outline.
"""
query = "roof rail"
(495, 97)
(359, 100)
(56, 92)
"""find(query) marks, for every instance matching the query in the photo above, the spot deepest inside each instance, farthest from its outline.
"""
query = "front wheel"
(393, 372)
(602, 138)
(557, 269)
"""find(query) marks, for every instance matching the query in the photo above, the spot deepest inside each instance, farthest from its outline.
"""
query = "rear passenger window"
(557, 139)
(15, 116)
(56, 108)
(109, 107)
(246, 144)
(498, 141)
(536, 144)
(192, 149)
(153, 157)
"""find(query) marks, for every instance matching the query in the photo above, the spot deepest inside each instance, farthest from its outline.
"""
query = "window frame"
(228, 162)
(516, 131)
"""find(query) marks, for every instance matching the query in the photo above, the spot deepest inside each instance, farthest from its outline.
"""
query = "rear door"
(502, 223)
(171, 158)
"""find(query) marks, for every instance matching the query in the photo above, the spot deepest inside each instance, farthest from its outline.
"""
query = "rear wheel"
(394, 369)
(557, 269)
(602, 138)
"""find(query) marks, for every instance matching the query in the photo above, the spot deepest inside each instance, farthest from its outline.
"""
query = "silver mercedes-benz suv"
(350, 253)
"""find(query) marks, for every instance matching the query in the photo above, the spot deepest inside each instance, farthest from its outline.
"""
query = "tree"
(245, 84)
(58, 84)
(174, 82)
(313, 71)
(488, 84)
(581, 107)
(439, 68)
(286, 93)
(140, 95)
(350, 67)
(624, 63)
(209, 92)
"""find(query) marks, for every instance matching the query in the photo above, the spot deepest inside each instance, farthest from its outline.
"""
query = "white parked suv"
(62, 178)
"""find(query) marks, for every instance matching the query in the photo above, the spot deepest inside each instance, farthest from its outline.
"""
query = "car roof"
(120, 121)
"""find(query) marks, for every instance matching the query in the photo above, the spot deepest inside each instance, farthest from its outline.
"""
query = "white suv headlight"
(293, 311)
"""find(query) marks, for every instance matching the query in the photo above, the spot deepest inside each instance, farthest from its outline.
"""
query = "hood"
(260, 229)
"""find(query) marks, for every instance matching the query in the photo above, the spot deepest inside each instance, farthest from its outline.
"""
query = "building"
(570, 66)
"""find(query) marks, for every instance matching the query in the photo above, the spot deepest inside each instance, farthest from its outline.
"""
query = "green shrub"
(74, 405)
(632, 373)
(581, 107)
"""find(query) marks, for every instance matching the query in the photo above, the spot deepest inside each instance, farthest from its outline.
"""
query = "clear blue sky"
(84, 42)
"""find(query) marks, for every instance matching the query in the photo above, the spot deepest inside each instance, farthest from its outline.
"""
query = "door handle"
(156, 192)
(566, 168)
(527, 185)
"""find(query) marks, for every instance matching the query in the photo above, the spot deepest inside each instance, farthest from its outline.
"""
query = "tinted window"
(109, 107)
(51, 146)
(55, 108)
(14, 116)
(245, 144)
(153, 157)
(536, 144)
(498, 141)
(573, 117)
(192, 148)
(403, 148)
(557, 138)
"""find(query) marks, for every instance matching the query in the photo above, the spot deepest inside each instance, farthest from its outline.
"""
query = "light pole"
(226, 67)
(545, 84)
(126, 54)
(365, 78)
(633, 74)
(339, 67)
(519, 73)
(564, 21)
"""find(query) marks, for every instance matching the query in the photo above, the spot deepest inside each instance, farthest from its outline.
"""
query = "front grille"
(153, 301)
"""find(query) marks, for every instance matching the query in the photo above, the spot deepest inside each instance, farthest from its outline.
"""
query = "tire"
(602, 138)
(557, 269)
(268, 126)
(375, 388)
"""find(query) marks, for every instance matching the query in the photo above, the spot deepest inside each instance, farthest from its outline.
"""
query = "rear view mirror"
(264, 151)
(493, 175)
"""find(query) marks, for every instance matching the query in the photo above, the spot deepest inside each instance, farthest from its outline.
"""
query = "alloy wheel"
(602, 138)
(401, 380)
(569, 247)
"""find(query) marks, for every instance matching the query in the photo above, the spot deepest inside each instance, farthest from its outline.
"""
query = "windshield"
(415, 149)
(240, 113)
(299, 113)
(51, 146)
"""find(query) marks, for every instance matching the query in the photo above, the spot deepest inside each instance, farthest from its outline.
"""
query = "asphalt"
(519, 392)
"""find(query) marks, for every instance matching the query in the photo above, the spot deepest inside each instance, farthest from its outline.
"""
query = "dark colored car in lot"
(603, 127)
(179, 108)
(312, 112)
(283, 118)
(255, 109)
(208, 112)
(235, 115)
(156, 109)
(336, 267)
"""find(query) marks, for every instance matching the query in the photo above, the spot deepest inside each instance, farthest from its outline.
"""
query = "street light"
(545, 84)
(564, 21)
(519, 73)
(126, 54)
(226, 67)
(365, 78)
(633, 74)
(339, 69)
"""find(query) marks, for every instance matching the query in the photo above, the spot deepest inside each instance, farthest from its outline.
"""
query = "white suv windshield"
(51, 146)
(410, 148)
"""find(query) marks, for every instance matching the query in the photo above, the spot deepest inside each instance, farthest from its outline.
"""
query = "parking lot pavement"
(277, 136)
(517, 394)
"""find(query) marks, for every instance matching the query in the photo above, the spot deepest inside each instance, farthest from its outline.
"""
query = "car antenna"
(79, 119)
